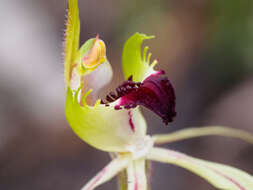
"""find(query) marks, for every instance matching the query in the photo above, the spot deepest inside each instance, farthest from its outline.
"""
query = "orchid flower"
(116, 125)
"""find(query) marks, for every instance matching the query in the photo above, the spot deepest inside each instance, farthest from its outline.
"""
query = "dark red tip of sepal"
(155, 93)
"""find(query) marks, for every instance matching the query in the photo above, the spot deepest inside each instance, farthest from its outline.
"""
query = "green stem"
(122, 180)
(148, 173)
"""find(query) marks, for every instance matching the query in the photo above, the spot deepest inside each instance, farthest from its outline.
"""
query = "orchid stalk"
(116, 125)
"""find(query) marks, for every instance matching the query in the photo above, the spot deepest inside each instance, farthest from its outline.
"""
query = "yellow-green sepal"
(133, 61)
(103, 127)
(71, 39)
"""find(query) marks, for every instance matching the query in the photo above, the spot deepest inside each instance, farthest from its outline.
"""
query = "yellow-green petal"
(133, 61)
(203, 131)
(140, 174)
(108, 172)
(219, 175)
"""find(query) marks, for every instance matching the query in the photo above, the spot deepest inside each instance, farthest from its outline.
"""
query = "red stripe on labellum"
(155, 93)
(131, 121)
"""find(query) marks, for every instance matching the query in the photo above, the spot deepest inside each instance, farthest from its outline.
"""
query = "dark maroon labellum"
(155, 93)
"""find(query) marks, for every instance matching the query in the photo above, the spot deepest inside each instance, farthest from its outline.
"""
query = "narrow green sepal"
(71, 39)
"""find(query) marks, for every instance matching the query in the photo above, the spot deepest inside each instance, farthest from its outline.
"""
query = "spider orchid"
(116, 124)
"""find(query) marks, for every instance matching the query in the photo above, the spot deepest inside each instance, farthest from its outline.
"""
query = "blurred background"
(205, 47)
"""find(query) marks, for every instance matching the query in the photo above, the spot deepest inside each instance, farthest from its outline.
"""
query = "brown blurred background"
(206, 48)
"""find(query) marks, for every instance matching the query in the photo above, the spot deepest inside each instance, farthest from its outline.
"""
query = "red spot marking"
(96, 179)
(130, 121)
